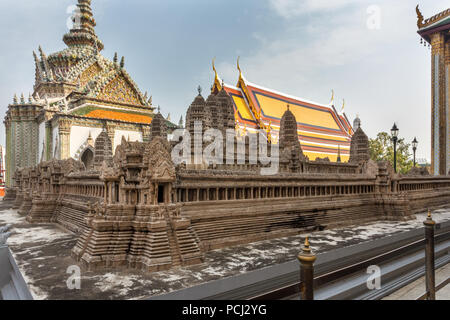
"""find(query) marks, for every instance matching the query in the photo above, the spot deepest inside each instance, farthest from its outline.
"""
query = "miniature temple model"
(107, 170)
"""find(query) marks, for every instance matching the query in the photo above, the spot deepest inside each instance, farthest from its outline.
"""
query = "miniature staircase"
(174, 251)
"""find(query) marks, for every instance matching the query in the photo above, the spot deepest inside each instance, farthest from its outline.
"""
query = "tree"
(382, 149)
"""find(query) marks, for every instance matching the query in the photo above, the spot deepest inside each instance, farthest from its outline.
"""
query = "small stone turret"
(225, 110)
(102, 149)
(158, 127)
(197, 111)
(359, 147)
(290, 149)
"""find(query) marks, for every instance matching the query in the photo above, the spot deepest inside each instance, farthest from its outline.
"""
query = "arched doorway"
(88, 158)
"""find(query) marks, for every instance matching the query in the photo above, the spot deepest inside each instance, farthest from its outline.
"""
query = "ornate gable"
(120, 90)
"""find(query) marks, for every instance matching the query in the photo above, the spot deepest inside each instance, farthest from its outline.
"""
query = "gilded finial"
(343, 105)
(218, 84)
(420, 20)
(22, 99)
(15, 99)
(306, 248)
(239, 67)
(214, 65)
(122, 62)
(332, 97)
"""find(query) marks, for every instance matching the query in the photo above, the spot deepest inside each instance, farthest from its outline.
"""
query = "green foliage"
(382, 149)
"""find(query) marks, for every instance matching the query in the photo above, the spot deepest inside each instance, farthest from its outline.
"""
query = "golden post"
(307, 259)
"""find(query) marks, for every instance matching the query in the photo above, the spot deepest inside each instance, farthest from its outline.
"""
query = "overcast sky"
(301, 47)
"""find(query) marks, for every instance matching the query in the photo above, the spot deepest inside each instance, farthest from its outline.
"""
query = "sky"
(368, 52)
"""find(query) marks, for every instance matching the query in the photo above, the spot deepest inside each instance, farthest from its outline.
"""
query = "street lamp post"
(394, 132)
(414, 145)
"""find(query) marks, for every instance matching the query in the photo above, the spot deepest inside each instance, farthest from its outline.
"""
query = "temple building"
(435, 32)
(322, 131)
(78, 93)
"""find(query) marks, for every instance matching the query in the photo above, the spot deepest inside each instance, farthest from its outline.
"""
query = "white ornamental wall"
(41, 139)
(134, 136)
(79, 135)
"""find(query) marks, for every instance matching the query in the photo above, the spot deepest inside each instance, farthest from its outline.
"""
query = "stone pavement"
(417, 288)
(42, 252)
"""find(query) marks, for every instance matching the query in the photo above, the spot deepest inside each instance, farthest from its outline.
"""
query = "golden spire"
(239, 67)
(217, 86)
(343, 105)
(420, 22)
(332, 97)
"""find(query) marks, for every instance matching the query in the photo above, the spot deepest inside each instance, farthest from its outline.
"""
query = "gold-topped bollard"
(429, 258)
(307, 259)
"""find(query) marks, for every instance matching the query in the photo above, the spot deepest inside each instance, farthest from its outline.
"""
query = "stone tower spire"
(290, 149)
(83, 32)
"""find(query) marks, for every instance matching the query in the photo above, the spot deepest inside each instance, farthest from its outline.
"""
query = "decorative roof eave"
(71, 116)
(84, 99)
(436, 23)
(421, 23)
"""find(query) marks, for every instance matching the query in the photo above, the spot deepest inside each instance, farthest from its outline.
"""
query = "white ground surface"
(43, 255)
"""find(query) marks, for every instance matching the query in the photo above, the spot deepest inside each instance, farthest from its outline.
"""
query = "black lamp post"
(394, 132)
(414, 145)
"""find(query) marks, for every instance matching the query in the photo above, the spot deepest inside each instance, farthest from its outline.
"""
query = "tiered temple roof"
(79, 80)
(322, 130)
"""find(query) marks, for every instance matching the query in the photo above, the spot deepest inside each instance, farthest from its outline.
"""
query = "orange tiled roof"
(115, 115)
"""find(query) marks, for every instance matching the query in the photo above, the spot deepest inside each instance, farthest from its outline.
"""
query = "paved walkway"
(417, 288)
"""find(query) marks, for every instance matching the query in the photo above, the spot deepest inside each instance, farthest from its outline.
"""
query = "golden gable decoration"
(120, 90)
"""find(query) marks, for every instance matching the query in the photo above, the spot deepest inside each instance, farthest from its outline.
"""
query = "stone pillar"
(64, 126)
(439, 95)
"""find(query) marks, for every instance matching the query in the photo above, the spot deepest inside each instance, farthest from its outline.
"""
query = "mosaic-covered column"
(438, 113)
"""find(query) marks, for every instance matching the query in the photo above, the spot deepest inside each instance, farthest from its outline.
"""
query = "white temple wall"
(134, 136)
(79, 135)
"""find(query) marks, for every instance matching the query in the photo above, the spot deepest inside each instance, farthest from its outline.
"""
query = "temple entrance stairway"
(174, 251)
